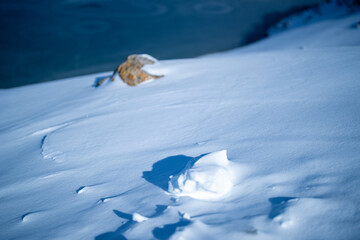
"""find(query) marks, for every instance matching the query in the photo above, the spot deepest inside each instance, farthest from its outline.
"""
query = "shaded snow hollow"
(78, 162)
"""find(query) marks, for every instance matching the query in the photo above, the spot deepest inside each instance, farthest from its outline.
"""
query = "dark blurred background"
(46, 40)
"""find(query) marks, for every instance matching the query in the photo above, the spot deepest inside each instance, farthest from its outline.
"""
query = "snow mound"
(209, 178)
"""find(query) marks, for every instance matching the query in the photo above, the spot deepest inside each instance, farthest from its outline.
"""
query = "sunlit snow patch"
(138, 218)
(209, 178)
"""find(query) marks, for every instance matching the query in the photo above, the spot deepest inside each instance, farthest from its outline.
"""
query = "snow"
(139, 218)
(208, 178)
(261, 142)
(315, 28)
(325, 11)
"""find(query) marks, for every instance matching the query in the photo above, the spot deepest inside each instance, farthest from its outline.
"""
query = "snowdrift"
(210, 177)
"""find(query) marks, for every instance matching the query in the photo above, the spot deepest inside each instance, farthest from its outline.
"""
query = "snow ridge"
(45, 151)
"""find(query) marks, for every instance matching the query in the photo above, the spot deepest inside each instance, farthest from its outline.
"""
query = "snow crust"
(78, 162)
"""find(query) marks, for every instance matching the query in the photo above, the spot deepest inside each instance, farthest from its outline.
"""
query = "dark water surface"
(45, 40)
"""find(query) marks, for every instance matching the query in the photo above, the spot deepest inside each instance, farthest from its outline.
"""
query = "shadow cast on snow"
(169, 229)
(163, 169)
(98, 79)
(118, 233)
(159, 176)
(279, 205)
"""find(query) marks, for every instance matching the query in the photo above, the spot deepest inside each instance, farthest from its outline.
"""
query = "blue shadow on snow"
(118, 234)
(169, 229)
(163, 169)
(279, 205)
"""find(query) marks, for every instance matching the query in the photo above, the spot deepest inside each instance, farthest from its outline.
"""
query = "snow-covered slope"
(328, 25)
(149, 162)
(330, 9)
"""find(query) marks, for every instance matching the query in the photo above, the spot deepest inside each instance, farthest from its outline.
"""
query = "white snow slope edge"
(78, 162)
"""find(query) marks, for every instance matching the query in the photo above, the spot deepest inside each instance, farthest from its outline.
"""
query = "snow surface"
(210, 177)
(79, 162)
(325, 11)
